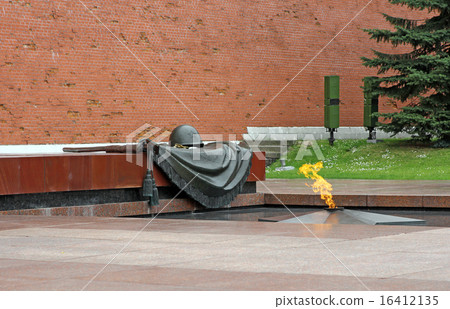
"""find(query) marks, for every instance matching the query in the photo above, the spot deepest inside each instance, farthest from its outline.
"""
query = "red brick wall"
(65, 78)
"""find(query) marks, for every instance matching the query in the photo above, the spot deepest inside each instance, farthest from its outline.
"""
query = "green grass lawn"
(357, 159)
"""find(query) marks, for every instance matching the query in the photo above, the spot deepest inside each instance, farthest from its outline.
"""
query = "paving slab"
(52, 253)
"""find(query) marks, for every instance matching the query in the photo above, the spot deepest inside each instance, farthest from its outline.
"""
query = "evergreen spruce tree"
(419, 78)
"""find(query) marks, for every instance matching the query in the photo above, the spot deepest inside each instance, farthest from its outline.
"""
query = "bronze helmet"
(185, 135)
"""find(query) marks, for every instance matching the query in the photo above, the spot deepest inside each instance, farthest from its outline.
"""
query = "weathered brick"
(62, 72)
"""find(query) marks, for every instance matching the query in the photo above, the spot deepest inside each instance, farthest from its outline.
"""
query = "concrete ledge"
(299, 133)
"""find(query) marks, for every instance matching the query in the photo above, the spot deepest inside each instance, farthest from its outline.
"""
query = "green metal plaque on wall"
(370, 103)
(331, 120)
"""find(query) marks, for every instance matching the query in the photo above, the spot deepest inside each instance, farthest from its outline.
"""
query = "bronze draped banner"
(212, 175)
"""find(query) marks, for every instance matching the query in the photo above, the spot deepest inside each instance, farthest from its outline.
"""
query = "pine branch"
(435, 5)
(402, 22)
(419, 78)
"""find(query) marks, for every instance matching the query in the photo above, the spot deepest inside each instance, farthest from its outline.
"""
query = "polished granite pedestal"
(97, 184)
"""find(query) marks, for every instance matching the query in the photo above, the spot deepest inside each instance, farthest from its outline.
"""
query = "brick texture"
(65, 77)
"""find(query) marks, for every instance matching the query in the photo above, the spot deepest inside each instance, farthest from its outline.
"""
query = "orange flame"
(320, 184)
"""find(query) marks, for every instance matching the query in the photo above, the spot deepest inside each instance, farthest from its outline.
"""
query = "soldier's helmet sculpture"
(185, 136)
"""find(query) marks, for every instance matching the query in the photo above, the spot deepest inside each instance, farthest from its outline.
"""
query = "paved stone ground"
(65, 253)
